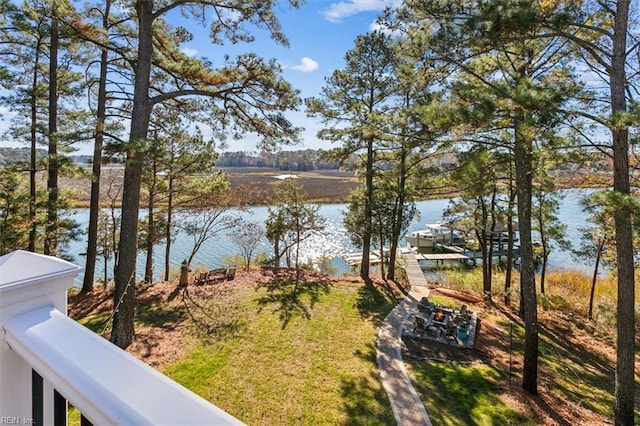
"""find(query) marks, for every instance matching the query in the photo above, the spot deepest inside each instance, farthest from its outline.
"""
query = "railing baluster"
(84, 421)
(37, 399)
(59, 409)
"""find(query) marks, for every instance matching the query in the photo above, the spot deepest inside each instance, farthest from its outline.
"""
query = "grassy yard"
(279, 353)
(576, 363)
(308, 359)
(274, 352)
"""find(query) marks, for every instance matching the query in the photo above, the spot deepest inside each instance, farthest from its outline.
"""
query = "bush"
(325, 265)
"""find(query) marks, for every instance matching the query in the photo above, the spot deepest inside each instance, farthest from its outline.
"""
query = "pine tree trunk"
(594, 278)
(51, 233)
(167, 247)
(368, 209)
(625, 367)
(94, 203)
(510, 243)
(524, 173)
(124, 297)
(397, 226)
(33, 223)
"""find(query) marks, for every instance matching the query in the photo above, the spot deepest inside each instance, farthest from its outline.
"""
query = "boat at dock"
(435, 233)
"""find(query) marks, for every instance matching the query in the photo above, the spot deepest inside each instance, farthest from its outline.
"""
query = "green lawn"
(305, 354)
(462, 395)
(294, 355)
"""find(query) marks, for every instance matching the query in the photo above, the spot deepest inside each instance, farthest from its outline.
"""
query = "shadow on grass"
(365, 401)
(375, 302)
(96, 323)
(571, 368)
(578, 372)
(293, 294)
(160, 315)
(463, 395)
(212, 318)
(83, 304)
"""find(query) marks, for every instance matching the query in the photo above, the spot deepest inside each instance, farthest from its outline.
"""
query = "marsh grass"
(565, 290)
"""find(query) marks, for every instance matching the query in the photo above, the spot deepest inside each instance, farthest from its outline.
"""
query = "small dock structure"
(356, 258)
(443, 256)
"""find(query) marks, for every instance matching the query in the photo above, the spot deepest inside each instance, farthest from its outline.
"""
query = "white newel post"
(27, 281)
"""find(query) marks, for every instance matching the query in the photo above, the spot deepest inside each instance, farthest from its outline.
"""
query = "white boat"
(436, 233)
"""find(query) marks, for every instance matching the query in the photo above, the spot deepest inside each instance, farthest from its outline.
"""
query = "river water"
(333, 242)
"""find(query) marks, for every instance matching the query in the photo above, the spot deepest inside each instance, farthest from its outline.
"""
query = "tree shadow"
(364, 398)
(164, 316)
(82, 305)
(212, 317)
(580, 369)
(374, 302)
(571, 367)
(293, 294)
(463, 393)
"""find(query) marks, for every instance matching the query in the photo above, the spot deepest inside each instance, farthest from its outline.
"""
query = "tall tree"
(51, 240)
(153, 228)
(14, 205)
(187, 154)
(606, 37)
(545, 213)
(494, 46)
(96, 167)
(24, 50)
(49, 93)
(478, 180)
(353, 104)
(597, 242)
(247, 95)
(414, 142)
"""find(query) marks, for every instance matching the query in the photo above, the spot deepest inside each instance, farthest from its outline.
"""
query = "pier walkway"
(407, 406)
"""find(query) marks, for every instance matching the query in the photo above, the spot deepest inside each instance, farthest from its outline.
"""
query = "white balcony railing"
(47, 360)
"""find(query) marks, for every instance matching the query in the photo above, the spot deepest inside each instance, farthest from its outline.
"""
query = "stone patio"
(468, 343)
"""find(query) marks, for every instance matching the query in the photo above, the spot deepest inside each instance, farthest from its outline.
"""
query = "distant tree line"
(301, 160)
(19, 155)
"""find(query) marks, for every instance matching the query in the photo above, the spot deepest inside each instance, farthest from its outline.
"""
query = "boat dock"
(356, 258)
(442, 256)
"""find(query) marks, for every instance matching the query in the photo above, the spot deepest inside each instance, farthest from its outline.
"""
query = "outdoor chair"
(230, 274)
(424, 305)
(201, 279)
(424, 309)
(419, 324)
(432, 331)
(451, 331)
(463, 310)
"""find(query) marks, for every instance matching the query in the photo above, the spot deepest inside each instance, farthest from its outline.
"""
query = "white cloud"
(305, 65)
(189, 51)
(338, 11)
(375, 26)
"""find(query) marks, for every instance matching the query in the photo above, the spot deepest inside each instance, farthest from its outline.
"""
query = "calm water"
(333, 242)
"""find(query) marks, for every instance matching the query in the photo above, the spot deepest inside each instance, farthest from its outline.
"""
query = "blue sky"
(320, 33)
